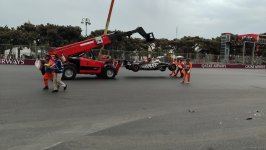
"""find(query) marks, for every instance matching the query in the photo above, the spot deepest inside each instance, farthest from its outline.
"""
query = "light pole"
(35, 48)
(87, 22)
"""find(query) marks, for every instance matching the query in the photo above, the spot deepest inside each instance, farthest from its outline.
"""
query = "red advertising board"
(236, 66)
(17, 61)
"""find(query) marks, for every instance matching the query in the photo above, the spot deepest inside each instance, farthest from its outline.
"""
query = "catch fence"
(32, 52)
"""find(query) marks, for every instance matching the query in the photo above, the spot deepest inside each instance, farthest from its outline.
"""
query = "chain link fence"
(32, 52)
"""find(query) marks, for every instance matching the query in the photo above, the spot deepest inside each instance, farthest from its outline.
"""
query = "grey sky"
(205, 18)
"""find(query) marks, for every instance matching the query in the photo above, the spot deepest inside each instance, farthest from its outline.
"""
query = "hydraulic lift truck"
(79, 58)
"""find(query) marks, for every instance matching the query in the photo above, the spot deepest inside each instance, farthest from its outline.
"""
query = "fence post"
(244, 51)
(253, 53)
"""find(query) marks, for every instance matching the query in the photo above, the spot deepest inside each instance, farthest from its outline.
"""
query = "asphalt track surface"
(222, 109)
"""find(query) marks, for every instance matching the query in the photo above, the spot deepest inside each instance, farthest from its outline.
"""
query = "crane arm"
(89, 44)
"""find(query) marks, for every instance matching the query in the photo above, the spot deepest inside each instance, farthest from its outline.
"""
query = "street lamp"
(35, 48)
(87, 22)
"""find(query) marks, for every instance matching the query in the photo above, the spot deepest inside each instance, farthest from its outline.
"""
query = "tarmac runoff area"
(222, 109)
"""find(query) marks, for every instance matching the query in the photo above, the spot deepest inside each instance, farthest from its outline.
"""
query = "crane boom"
(88, 44)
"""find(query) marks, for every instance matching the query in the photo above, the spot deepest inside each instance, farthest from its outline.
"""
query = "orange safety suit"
(179, 66)
(48, 75)
(186, 71)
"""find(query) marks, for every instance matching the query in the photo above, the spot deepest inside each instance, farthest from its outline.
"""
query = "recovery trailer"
(79, 58)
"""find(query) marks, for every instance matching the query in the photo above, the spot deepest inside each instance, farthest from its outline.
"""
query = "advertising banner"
(17, 61)
(236, 66)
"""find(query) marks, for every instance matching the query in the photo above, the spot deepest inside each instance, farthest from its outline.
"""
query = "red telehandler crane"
(79, 58)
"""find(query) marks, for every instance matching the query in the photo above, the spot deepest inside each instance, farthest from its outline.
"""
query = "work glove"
(47, 65)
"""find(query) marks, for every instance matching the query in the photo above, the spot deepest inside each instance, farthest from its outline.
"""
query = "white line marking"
(52, 146)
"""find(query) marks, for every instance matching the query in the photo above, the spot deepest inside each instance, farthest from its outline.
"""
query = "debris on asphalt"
(249, 118)
(257, 115)
(254, 115)
(191, 111)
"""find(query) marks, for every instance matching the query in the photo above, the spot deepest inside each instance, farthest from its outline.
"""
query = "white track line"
(52, 146)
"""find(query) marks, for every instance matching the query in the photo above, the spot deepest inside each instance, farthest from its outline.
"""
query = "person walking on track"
(180, 66)
(187, 71)
(48, 71)
(58, 72)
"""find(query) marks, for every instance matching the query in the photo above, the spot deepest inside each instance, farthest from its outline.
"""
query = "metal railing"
(32, 52)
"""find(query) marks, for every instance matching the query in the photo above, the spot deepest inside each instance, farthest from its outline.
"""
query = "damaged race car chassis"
(136, 66)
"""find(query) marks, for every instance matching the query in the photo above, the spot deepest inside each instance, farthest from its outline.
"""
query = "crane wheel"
(69, 73)
(109, 72)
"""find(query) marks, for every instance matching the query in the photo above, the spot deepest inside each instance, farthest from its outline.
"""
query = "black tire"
(172, 67)
(69, 73)
(135, 68)
(162, 68)
(109, 72)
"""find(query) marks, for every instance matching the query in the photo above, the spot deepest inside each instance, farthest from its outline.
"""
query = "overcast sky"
(205, 18)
